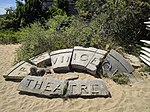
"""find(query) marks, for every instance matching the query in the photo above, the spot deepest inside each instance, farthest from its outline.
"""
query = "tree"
(31, 11)
(8, 20)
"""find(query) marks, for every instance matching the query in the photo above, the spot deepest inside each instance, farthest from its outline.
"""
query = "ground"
(125, 98)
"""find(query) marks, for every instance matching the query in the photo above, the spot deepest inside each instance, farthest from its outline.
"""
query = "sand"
(125, 98)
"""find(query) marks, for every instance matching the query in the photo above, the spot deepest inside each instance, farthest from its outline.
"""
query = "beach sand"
(125, 98)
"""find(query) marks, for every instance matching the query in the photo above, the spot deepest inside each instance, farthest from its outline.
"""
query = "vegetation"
(120, 78)
(145, 68)
(102, 24)
(8, 37)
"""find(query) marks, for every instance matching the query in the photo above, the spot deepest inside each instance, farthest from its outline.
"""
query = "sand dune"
(125, 98)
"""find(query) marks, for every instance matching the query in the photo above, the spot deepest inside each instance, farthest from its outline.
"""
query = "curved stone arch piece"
(115, 62)
(18, 71)
(44, 57)
(87, 59)
(77, 59)
(60, 60)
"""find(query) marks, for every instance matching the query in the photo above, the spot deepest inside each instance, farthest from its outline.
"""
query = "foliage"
(125, 22)
(8, 21)
(89, 8)
(8, 37)
(101, 24)
(145, 68)
(63, 32)
(37, 39)
(118, 21)
(120, 79)
(63, 4)
(31, 11)
(34, 41)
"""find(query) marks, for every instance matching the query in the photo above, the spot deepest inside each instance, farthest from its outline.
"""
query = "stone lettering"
(19, 71)
(74, 56)
(29, 81)
(116, 61)
(81, 57)
(93, 62)
(38, 85)
(54, 61)
(84, 57)
(94, 89)
(68, 60)
(48, 87)
(63, 60)
(57, 88)
(73, 88)
(84, 89)
(87, 59)
(53, 87)
(44, 57)
(23, 69)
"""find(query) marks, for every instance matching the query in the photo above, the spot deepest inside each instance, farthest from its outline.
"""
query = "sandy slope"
(135, 98)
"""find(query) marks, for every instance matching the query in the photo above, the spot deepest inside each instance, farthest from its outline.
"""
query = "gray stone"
(35, 71)
(114, 62)
(87, 59)
(42, 85)
(81, 57)
(95, 61)
(44, 57)
(60, 60)
(19, 71)
(87, 88)
(53, 87)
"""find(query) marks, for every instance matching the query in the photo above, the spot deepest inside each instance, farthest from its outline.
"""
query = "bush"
(120, 78)
(116, 24)
(63, 32)
(145, 68)
(36, 39)
(118, 21)
(8, 37)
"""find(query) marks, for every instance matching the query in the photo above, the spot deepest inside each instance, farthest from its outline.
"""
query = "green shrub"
(119, 23)
(63, 32)
(120, 78)
(34, 41)
(8, 37)
(145, 68)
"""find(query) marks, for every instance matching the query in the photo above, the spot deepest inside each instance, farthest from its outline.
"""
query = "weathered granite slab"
(53, 87)
(44, 57)
(115, 62)
(19, 71)
(95, 61)
(60, 60)
(87, 88)
(87, 59)
(81, 57)
(42, 85)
